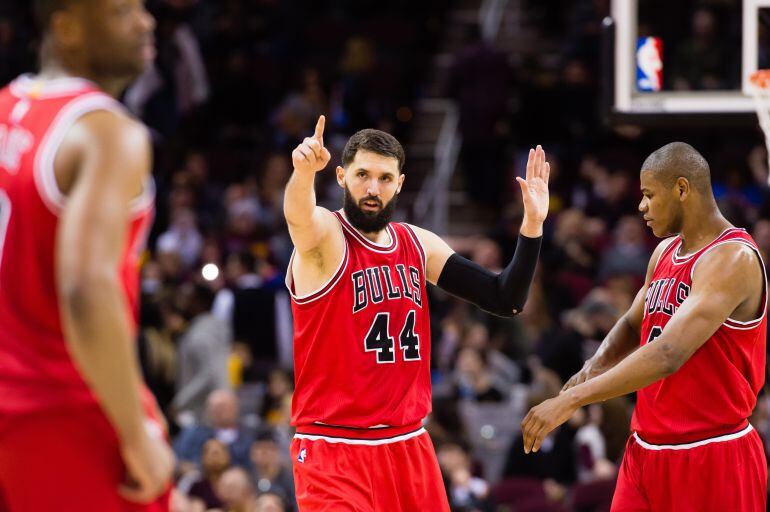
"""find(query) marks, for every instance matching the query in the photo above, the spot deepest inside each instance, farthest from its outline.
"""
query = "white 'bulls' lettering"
(374, 284)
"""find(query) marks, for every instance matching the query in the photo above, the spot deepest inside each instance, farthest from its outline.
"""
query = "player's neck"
(700, 230)
(381, 237)
(52, 68)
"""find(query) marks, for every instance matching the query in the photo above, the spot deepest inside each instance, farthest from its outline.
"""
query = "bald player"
(78, 429)
(692, 345)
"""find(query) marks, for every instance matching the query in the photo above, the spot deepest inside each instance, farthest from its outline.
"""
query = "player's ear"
(401, 177)
(340, 176)
(683, 188)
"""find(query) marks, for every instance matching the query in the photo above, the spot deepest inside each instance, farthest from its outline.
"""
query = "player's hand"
(149, 466)
(311, 156)
(589, 371)
(542, 419)
(534, 189)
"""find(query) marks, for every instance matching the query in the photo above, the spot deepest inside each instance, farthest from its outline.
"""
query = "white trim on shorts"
(365, 442)
(688, 446)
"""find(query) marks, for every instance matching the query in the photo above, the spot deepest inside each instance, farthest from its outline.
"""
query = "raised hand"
(534, 189)
(311, 156)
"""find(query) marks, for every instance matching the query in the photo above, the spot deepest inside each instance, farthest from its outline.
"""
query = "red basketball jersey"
(715, 391)
(362, 341)
(36, 370)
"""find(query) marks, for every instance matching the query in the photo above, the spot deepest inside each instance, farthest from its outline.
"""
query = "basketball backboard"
(689, 62)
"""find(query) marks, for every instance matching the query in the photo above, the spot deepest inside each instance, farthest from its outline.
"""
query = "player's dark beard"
(368, 222)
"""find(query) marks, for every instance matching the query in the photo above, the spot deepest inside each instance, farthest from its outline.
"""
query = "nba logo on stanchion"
(649, 64)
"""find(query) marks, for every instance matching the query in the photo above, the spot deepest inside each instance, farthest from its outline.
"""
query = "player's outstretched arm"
(501, 294)
(308, 223)
(112, 157)
(724, 279)
(623, 338)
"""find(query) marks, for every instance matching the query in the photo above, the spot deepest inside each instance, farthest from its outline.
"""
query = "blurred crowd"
(237, 84)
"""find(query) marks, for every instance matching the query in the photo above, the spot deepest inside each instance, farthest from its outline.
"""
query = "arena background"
(468, 86)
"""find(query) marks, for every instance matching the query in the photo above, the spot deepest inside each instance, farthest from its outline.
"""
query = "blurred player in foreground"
(693, 346)
(361, 323)
(78, 429)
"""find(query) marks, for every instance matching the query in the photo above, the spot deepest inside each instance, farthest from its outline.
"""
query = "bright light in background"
(210, 271)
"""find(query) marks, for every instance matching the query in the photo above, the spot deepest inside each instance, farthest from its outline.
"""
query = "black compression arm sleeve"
(501, 294)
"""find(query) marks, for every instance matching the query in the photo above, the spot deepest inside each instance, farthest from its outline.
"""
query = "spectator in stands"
(629, 251)
(214, 462)
(482, 102)
(570, 258)
(298, 111)
(177, 81)
(157, 347)
(474, 379)
(182, 238)
(357, 66)
(270, 469)
(236, 491)
(591, 447)
(465, 490)
(269, 502)
(251, 305)
(222, 412)
(563, 349)
(240, 273)
(703, 61)
(203, 351)
(279, 389)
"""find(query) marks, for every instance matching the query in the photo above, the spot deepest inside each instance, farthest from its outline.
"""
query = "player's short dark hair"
(679, 160)
(44, 10)
(375, 141)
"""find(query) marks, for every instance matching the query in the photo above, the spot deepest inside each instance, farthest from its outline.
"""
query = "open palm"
(534, 189)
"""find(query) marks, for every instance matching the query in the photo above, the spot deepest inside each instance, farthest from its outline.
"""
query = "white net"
(760, 90)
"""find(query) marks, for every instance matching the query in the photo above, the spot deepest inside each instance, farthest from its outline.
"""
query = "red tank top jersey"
(36, 371)
(715, 391)
(362, 341)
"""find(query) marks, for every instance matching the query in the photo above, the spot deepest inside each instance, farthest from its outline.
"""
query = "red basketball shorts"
(66, 460)
(367, 475)
(721, 474)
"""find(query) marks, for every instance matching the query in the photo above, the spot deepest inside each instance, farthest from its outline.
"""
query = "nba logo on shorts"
(649, 64)
(302, 455)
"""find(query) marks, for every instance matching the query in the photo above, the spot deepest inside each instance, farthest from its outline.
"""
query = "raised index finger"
(319, 129)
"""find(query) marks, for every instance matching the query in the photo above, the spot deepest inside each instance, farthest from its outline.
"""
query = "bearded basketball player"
(361, 323)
